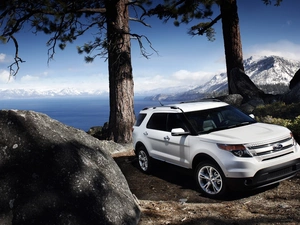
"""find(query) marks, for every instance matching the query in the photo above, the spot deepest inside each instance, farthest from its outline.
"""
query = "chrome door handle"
(145, 133)
(167, 138)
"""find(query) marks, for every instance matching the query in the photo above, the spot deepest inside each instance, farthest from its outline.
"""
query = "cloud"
(4, 77)
(177, 79)
(192, 77)
(283, 48)
(45, 73)
(2, 57)
(29, 78)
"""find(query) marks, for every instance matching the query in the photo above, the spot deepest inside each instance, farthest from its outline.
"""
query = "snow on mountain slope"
(271, 70)
(266, 70)
(32, 93)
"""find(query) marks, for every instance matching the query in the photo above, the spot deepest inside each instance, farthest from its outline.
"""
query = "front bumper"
(266, 176)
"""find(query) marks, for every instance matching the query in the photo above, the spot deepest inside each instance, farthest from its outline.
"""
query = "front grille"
(271, 150)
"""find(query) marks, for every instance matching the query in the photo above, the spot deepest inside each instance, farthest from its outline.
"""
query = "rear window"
(140, 119)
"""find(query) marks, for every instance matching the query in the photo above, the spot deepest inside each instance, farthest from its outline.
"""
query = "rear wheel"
(210, 179)
(144, 160)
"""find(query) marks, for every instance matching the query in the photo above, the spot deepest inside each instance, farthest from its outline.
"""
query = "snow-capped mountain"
(271, 70)
(263, 71)
(267, 70)
(29, 93)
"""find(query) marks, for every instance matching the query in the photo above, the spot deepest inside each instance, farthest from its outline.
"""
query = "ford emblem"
(277, 147)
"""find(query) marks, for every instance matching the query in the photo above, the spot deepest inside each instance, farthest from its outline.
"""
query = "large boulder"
(54, 174)
(295, 80)
(241, 84)
(293, 95)
(233, 99)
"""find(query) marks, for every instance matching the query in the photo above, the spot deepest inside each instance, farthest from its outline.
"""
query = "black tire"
(210, 179)
(144, 160)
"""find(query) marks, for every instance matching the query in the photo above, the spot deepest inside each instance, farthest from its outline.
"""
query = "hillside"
(272, 74)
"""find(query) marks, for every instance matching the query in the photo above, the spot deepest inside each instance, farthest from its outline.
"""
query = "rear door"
(155, 132)
(165, 147)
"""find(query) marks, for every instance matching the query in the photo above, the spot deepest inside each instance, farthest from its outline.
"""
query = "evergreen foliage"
(200, 13)
(274, 88)
(64, 21)
(279, 113)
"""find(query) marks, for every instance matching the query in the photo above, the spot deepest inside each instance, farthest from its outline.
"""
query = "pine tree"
(65, 21)
(188, 11)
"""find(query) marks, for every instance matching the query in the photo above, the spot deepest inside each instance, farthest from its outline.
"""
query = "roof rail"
(203, 100)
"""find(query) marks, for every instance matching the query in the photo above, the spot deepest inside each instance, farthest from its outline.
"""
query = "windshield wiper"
(240, 124)
(227, 127)
(212, 130)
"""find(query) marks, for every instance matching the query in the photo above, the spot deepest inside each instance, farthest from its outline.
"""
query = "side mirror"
(252, 116)
(178, 132)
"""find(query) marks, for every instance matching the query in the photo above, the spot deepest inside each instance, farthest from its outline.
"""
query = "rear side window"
(166, 121)
(158, 121)
(140, 119)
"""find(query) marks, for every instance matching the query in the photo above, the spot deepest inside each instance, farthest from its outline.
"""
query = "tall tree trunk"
(232, 37)
(121, 118)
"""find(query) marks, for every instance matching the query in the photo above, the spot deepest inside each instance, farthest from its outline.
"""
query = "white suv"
(225, 148)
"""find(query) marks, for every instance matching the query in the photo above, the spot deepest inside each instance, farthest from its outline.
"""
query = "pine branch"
(202, 29)
(17, 59)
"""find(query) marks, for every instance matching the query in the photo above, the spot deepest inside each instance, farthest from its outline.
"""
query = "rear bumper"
(266, 176)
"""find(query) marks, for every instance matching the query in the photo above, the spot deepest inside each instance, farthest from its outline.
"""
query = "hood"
(256, 132)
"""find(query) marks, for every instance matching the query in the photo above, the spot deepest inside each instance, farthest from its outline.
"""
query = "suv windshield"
(218, 119)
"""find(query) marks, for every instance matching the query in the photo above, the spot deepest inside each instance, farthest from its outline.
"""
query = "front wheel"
(144, 160)
(210, 179)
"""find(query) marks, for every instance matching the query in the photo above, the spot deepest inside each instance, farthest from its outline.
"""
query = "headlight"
(237, 150)
(292, 136)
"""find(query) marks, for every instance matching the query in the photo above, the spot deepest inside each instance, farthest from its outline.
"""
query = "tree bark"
(121, 92)
(232, 37)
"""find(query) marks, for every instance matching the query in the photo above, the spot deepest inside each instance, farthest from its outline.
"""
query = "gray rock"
(233, 99)
(249, 106)
(292, 96)
(295, 80)
(54, 174)
(241, 84)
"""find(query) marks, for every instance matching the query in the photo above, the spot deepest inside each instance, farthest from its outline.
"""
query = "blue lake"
(79, 112)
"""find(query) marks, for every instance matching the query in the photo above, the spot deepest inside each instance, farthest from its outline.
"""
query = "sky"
(180, 59)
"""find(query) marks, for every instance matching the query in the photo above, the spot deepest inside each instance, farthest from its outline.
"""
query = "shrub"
(281, 114)
(279, 110)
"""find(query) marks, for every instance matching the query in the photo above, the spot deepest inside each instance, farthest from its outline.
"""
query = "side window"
(157, 121)
(140, 119)
(175, 121)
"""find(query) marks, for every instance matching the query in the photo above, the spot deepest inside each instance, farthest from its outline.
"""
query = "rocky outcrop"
(295, 80)
(100, 132)
(241, 84)
(247, 96)
(233, 99)
(54, 174)
(293, 95)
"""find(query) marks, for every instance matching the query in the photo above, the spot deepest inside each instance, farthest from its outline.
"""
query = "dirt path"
(169, 196)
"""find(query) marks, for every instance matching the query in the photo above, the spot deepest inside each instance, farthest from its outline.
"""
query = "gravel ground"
(170, 196)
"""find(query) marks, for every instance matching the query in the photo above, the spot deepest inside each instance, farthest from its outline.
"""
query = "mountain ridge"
(263, 71)
(63, 92)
